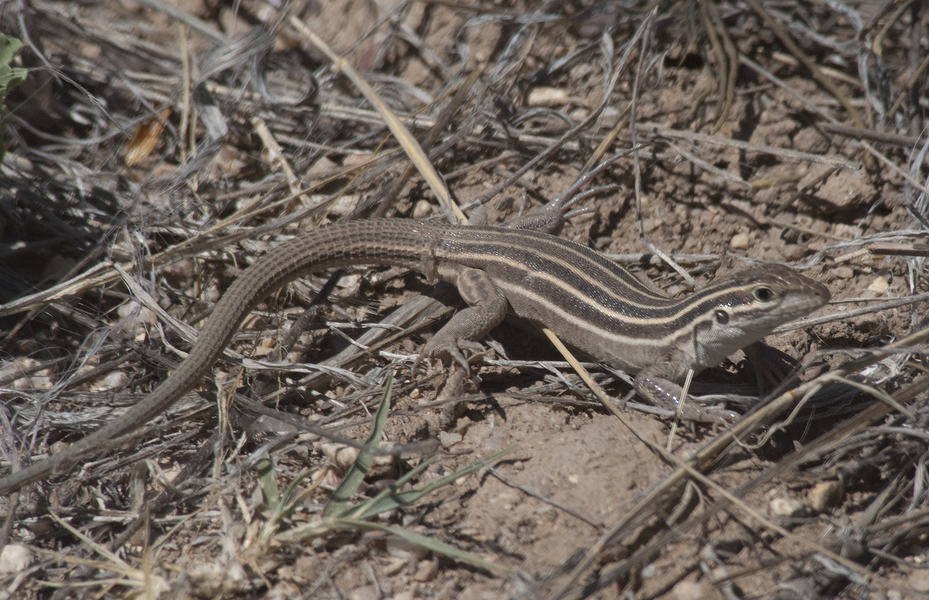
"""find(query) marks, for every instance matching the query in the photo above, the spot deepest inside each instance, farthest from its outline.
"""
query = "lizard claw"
(442, 348)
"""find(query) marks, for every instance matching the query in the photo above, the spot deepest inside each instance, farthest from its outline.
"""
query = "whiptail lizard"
(587, 300)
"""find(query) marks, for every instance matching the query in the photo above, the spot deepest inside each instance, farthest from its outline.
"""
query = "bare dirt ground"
(157, 148)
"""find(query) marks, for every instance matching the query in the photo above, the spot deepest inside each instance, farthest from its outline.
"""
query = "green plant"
(10, 77)
(341, 515)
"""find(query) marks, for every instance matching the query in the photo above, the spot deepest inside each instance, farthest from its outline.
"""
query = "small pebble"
(548, 96)
(365, 592)
(689, 590)
(212, 294)
(844, 272)
(342, 456)
(783, 507)
(651, 224)
(394, 566)
(739, 241)
(128, 310)
(58, 446)
(879, 285)
(354, 160)
(112, 381)
(792, 252)
(322, 165)
(15, 558)
(344, 204)
(919, 580)
(426, 571)
(401, 548)
(826, 494)
(422, 209)
(449, 439)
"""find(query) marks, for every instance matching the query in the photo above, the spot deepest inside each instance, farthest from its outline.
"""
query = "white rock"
(15, 558)
(739, 241)
(879, 285)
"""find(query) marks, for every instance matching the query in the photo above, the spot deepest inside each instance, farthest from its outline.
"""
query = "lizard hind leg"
(487, 307)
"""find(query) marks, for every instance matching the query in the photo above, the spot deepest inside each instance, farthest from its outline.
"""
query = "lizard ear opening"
(722, 317)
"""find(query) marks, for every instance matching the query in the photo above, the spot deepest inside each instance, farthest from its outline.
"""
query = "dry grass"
(155, 150)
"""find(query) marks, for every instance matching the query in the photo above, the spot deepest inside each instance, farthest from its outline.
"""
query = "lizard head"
(745, 307)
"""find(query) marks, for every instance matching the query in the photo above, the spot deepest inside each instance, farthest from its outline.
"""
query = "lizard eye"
(722, 317)
(764, 294)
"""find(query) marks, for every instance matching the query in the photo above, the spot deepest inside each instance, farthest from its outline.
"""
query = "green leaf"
(393, 497)
(10, 77)
(338, 505)
(268, 483)
(428, 543)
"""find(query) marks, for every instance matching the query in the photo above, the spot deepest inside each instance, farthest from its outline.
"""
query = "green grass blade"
(10, 77)
(268, 483)
(338, 505)
(428, 543)
(393, 497)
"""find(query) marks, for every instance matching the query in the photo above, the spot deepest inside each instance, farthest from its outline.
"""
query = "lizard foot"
(442, 348)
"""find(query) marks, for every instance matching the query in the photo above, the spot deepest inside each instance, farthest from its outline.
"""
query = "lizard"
(590, 302)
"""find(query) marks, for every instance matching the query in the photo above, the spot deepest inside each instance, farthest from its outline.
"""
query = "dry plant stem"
(805, 102)
(879, 13)
(403, 135)
(185, 132)
(877, 45)
(433, 135)
(552, 147)
(807, 62)
(685, 389)
(917, 77)
(195, 465)
(426, 53)
(533, 141)
(664, 492)
(710, 453)
(607, 141)
(909, 178)
(799, 193)
(104, 273)
(833, 160)
(585, 518)
(848, 314)
(709, 167)
(10, 520)
(207, 31)
(722, 78)
(278, 158)
(637, 170)
(848, 429)
(766, 414)
(902, 250)
(671, 482)
(732, 71)
(907, 141)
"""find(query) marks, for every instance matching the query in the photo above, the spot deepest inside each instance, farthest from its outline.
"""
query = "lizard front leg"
(487, 307)
(656, 383)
